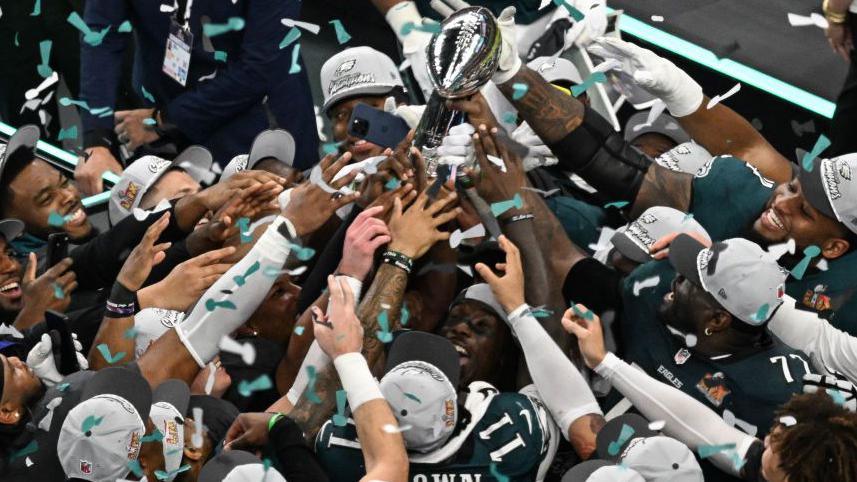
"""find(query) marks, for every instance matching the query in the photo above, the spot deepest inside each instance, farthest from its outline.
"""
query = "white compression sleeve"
(827, 347)
(218, 313)
(685, 419)
(558, 381)
(315, 357)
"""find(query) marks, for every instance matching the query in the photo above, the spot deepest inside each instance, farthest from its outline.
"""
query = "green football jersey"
(580, 220)
(498, 433)
(745, 387)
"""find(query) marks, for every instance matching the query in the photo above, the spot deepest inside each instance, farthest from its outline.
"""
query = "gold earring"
(708, 332)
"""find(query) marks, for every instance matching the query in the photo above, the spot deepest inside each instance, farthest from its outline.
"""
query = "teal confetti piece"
(616, 204)
(296, 55)
(292, 35)
(66, 101)
(100, 110)
(124, 27)
(220, 56)
(428, 27)
(95, 38)
(37, 9)
(808, 253)
(384, 333)
(299, 330)
(105, 352)
(17, 43)
(58, 292)
(687, 217)
(246, 388)
(162, 475)
(501, 207)
(339, 419)
(624, 435)
(89, 423)
(412, 397)
(574, 13)
(56, 220)
(519, 90)
(106, 113)
(837, 396)
(310, 389)
(762, 313)
(737, 461)
(242, 278)
(148, 95)
(244, 230)
(30, 448)
(63, 386)
(595, 78)
(70, 133)
(302, 253)
(586, 315)
(495, 472)
(541, 313)
(155, 436)
(214, 29)
(134, 467)
(150, 122)
(706, 451)
(130, 333)
(44, 69)
(392, 184)
(341, 34)
(330, 147)
(405, 316)
(212, 305)
(820, 145)
(510, 117)
(266, 464)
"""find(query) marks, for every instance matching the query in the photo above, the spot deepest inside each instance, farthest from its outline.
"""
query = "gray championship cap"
(11, 229)
(687, 157)
(169, 404)
(739, 274)
(420, 380)
(26, 137)
(274, 143)
(832, 189)
(663, 124)
(238, 466)
(357, 71)
(481, 293)
(628, 441)
(103, 432)
(556, 70)
(143, 173)
(635, 240)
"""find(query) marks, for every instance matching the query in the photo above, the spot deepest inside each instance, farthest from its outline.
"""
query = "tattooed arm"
(663, 187)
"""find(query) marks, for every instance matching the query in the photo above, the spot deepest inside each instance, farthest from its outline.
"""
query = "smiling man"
(38, 194)
(10, 270)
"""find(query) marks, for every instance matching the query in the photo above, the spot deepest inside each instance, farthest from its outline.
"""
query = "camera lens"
(360, 127)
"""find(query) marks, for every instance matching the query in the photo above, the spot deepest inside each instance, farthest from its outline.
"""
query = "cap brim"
(613, 429)
(373, 89)
(125, 382)
(813, 189)
(426, 347)
(276, 143)
(175, 392)
(26, 137)
(11, 229)
(683, 253)
(216, 469)
(659, 126)
(623, 243)
(582, 471)
(198, 158)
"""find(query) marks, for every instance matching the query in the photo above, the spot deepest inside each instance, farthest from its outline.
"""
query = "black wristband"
(398, 260)
(122, 302)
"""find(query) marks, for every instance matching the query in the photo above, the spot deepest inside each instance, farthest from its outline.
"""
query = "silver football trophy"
(461, 58)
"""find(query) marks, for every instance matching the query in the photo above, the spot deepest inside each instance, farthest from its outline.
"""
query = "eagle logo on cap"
(844, 169)
(345, 66)
(158, 164)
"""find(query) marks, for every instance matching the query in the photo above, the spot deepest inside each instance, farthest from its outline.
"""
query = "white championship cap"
(358, 71)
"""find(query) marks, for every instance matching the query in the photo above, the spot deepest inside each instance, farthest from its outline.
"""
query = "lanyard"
(186, 10)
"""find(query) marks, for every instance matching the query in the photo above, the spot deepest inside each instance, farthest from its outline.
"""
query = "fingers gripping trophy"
(461, 58)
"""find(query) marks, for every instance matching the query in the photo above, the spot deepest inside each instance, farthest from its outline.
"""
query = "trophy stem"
(433, 126)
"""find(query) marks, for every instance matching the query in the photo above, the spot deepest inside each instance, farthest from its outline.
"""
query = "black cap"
(684, 251)
(216, 469)
(217, 415)
(812, 187)
(426, 347)
(173, 391)
(26, 137)
(612, 431)
(125, 382)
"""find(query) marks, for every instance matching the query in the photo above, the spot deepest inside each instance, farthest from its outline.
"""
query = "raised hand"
(248, 431)
(416, 230)
(340, 331)
(586, 326)
(219, 194)
(365, 235)
(310, 205)
(145, 255)
(40, 294)
(492, 183)
(186, 282)
(509, 288)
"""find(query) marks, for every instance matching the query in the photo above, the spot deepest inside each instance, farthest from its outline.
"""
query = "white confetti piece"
(309, 27)
(497, 162)
(209, 382)
(778, 250)
(690, 340)
(608, 64)
(543, 193)
(788, 420)
(167, 8)
(815, 19)
(51, 80)
(657, 18)
(390, 428)
(654, 112)
(208, 77)
(28, 462)
(822, 264)
(48, 97)
(10, 330)
(458, 236)
(30, 105)
(734, 421)
(246, 350)
(657, 425)
(196, 439)
(720, 98)
(544, 4)
(404, 65)
(604, 237)
(463, 267)
(646, 283)
(45, 422)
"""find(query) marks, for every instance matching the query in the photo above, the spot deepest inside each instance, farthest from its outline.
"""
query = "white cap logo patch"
(346, 66)
(157, 164)
(844, 169)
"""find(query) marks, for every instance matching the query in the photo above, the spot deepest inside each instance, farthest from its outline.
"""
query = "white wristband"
(356, 379)
(400, 14)
(607, 367)
(355, 284)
